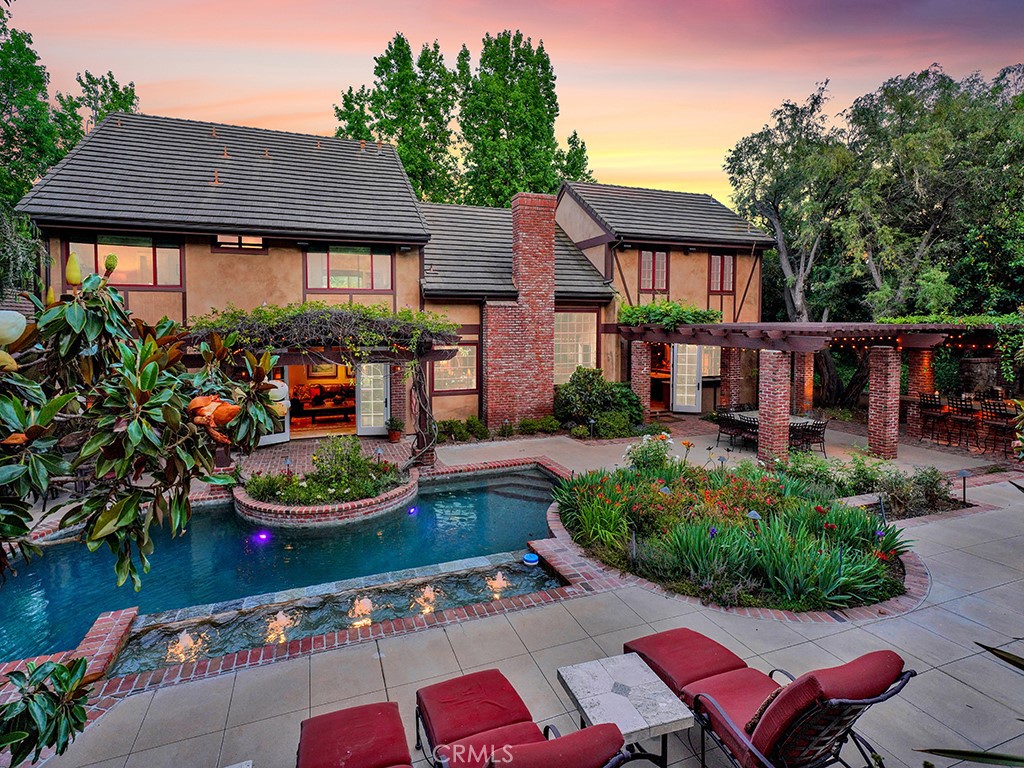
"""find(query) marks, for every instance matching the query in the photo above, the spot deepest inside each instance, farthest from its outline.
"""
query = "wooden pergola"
(786, 367)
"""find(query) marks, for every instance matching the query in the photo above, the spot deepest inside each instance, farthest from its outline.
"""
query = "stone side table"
(623, 690)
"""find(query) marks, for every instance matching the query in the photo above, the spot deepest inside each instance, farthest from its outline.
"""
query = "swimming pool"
(53, 601)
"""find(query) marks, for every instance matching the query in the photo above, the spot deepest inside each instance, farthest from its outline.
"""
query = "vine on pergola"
(346, 333)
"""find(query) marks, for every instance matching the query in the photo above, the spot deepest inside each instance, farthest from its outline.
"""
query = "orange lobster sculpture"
(210, 412)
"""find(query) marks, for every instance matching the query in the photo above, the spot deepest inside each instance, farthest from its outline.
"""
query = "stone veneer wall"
(286, 516)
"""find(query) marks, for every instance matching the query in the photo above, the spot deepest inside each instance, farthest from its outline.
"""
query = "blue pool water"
(52, 602)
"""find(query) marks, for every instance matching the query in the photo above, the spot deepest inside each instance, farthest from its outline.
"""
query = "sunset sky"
(658, 90)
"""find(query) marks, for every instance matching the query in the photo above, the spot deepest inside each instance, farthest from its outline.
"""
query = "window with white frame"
(575, 343)
(723, 267)
(653, 270)
(711, 362)
(457, 374)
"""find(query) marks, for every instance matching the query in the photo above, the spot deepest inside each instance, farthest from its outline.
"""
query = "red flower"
(821, 510)
(830, 526)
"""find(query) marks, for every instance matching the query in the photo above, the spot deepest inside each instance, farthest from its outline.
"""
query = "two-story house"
(202, 216)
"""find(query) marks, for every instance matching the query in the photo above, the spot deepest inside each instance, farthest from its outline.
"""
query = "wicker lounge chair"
(477, 720)
(759, 723)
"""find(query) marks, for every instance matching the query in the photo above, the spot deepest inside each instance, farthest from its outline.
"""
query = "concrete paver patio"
(962, 697)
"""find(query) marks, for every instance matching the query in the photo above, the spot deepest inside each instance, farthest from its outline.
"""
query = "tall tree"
(411, 105)
(572, 162)
(507, 115)
(102, 95)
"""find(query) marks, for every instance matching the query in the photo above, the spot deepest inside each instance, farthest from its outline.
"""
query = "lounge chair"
(759, 723)
(370, 736)
(478, 720)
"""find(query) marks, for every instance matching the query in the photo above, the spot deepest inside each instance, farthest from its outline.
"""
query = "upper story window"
(575, 343)
(349, 268)
(459, 373)
(653, 270)
(247, 243)
(142, 262)
(722, 271)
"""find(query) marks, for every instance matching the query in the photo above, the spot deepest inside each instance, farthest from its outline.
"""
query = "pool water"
(178, 642)
(54, 600)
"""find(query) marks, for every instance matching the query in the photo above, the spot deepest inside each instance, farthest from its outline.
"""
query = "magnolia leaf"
(973, 756)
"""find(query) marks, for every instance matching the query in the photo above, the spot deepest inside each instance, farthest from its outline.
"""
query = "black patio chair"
(728, 426)
(748, 430)
(933, 416)
(816, 435)
(963, 418)
(1000, 425)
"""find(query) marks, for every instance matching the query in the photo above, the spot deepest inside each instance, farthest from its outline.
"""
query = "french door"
(686, 378)
(280, 395)
(372, 398)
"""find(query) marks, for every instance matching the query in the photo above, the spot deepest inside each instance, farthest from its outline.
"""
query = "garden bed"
(736, 537)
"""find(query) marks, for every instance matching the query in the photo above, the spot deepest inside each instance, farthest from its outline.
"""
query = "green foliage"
(452, 431)
(316, 324)
(477, 428)
(411, 105)
(651, 454)
(587, 393)
(21, 253)
(47, 711)
(341, 472)
(548, 425)
(394, 424)
(694, 533)
(102, 95)
(528, 426)
(667, 314)
(506, 430)
(579, 432)
(946, 366)
(612, 424)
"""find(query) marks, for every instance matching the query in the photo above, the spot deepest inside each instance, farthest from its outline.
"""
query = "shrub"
(506, 430)
(611, 424)
(579, 432)
(667, 314)
(341, 472)
(477, 428)
(528, 426)
(548, 425)
(649, 453)
(452, 431)
(620, 397)
(394, 424)
(584, 394)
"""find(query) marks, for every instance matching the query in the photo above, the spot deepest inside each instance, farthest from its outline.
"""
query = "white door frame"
(698, 395)
(284, 435)
(372, 427)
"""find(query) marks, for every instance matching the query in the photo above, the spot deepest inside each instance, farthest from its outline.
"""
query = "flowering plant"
(651, 452)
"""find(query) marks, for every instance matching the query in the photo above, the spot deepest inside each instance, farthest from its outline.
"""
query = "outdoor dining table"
(755, 415)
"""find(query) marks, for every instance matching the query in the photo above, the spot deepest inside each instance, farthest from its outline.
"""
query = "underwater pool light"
(261, 537)
(412, 510)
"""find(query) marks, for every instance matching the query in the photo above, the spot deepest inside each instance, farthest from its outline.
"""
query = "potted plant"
(395, 427)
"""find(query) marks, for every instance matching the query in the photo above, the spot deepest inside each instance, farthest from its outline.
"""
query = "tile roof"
(470, 254)
(141, 171)
(662, 216)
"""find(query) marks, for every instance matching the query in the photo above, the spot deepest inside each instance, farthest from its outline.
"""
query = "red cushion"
(589, 748)
(681, 656)
(475, 751)
(474, 703)
(370, 736)
(863, 678)
(740, 693)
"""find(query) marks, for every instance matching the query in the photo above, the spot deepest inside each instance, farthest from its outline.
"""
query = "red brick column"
(920, 378)
(803, 381)
(732, 376)
(399, 395)
(773, 391)
(884, 402)
(519, 336)
(640, 372)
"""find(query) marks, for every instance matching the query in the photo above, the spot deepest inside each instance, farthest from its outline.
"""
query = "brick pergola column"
(640, 372)
(884, 402)
(399, 396)
(920, 378)
(803, 381)
(773, 391)
(732, 376)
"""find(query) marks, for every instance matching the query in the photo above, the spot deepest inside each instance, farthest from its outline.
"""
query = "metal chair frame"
(828, 733)
(963, 416)
(999, 424)
(932, 416)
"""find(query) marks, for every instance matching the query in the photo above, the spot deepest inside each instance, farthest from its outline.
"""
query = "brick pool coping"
(326, 515)
(584, 576)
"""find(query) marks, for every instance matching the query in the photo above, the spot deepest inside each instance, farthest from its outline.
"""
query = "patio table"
(623, 690)
(756, 414)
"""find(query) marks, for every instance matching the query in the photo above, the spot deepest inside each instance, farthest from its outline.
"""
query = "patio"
(961, 698)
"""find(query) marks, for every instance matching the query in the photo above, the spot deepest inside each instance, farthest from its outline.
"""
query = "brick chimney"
(519, 336)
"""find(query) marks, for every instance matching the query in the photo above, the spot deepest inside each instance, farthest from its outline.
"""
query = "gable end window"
(653, 270)
(241, 243)
(721, 275)
(142, 262)
(349, 268)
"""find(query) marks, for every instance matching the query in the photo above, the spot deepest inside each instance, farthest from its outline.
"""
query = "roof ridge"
(642, 189)
(464, 205)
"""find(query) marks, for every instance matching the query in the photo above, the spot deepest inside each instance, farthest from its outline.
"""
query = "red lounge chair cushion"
(467, 705)
(370, 736)
(475, 751)
(589, 748)
(682, 656)
(740, 693)
(863, 678)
